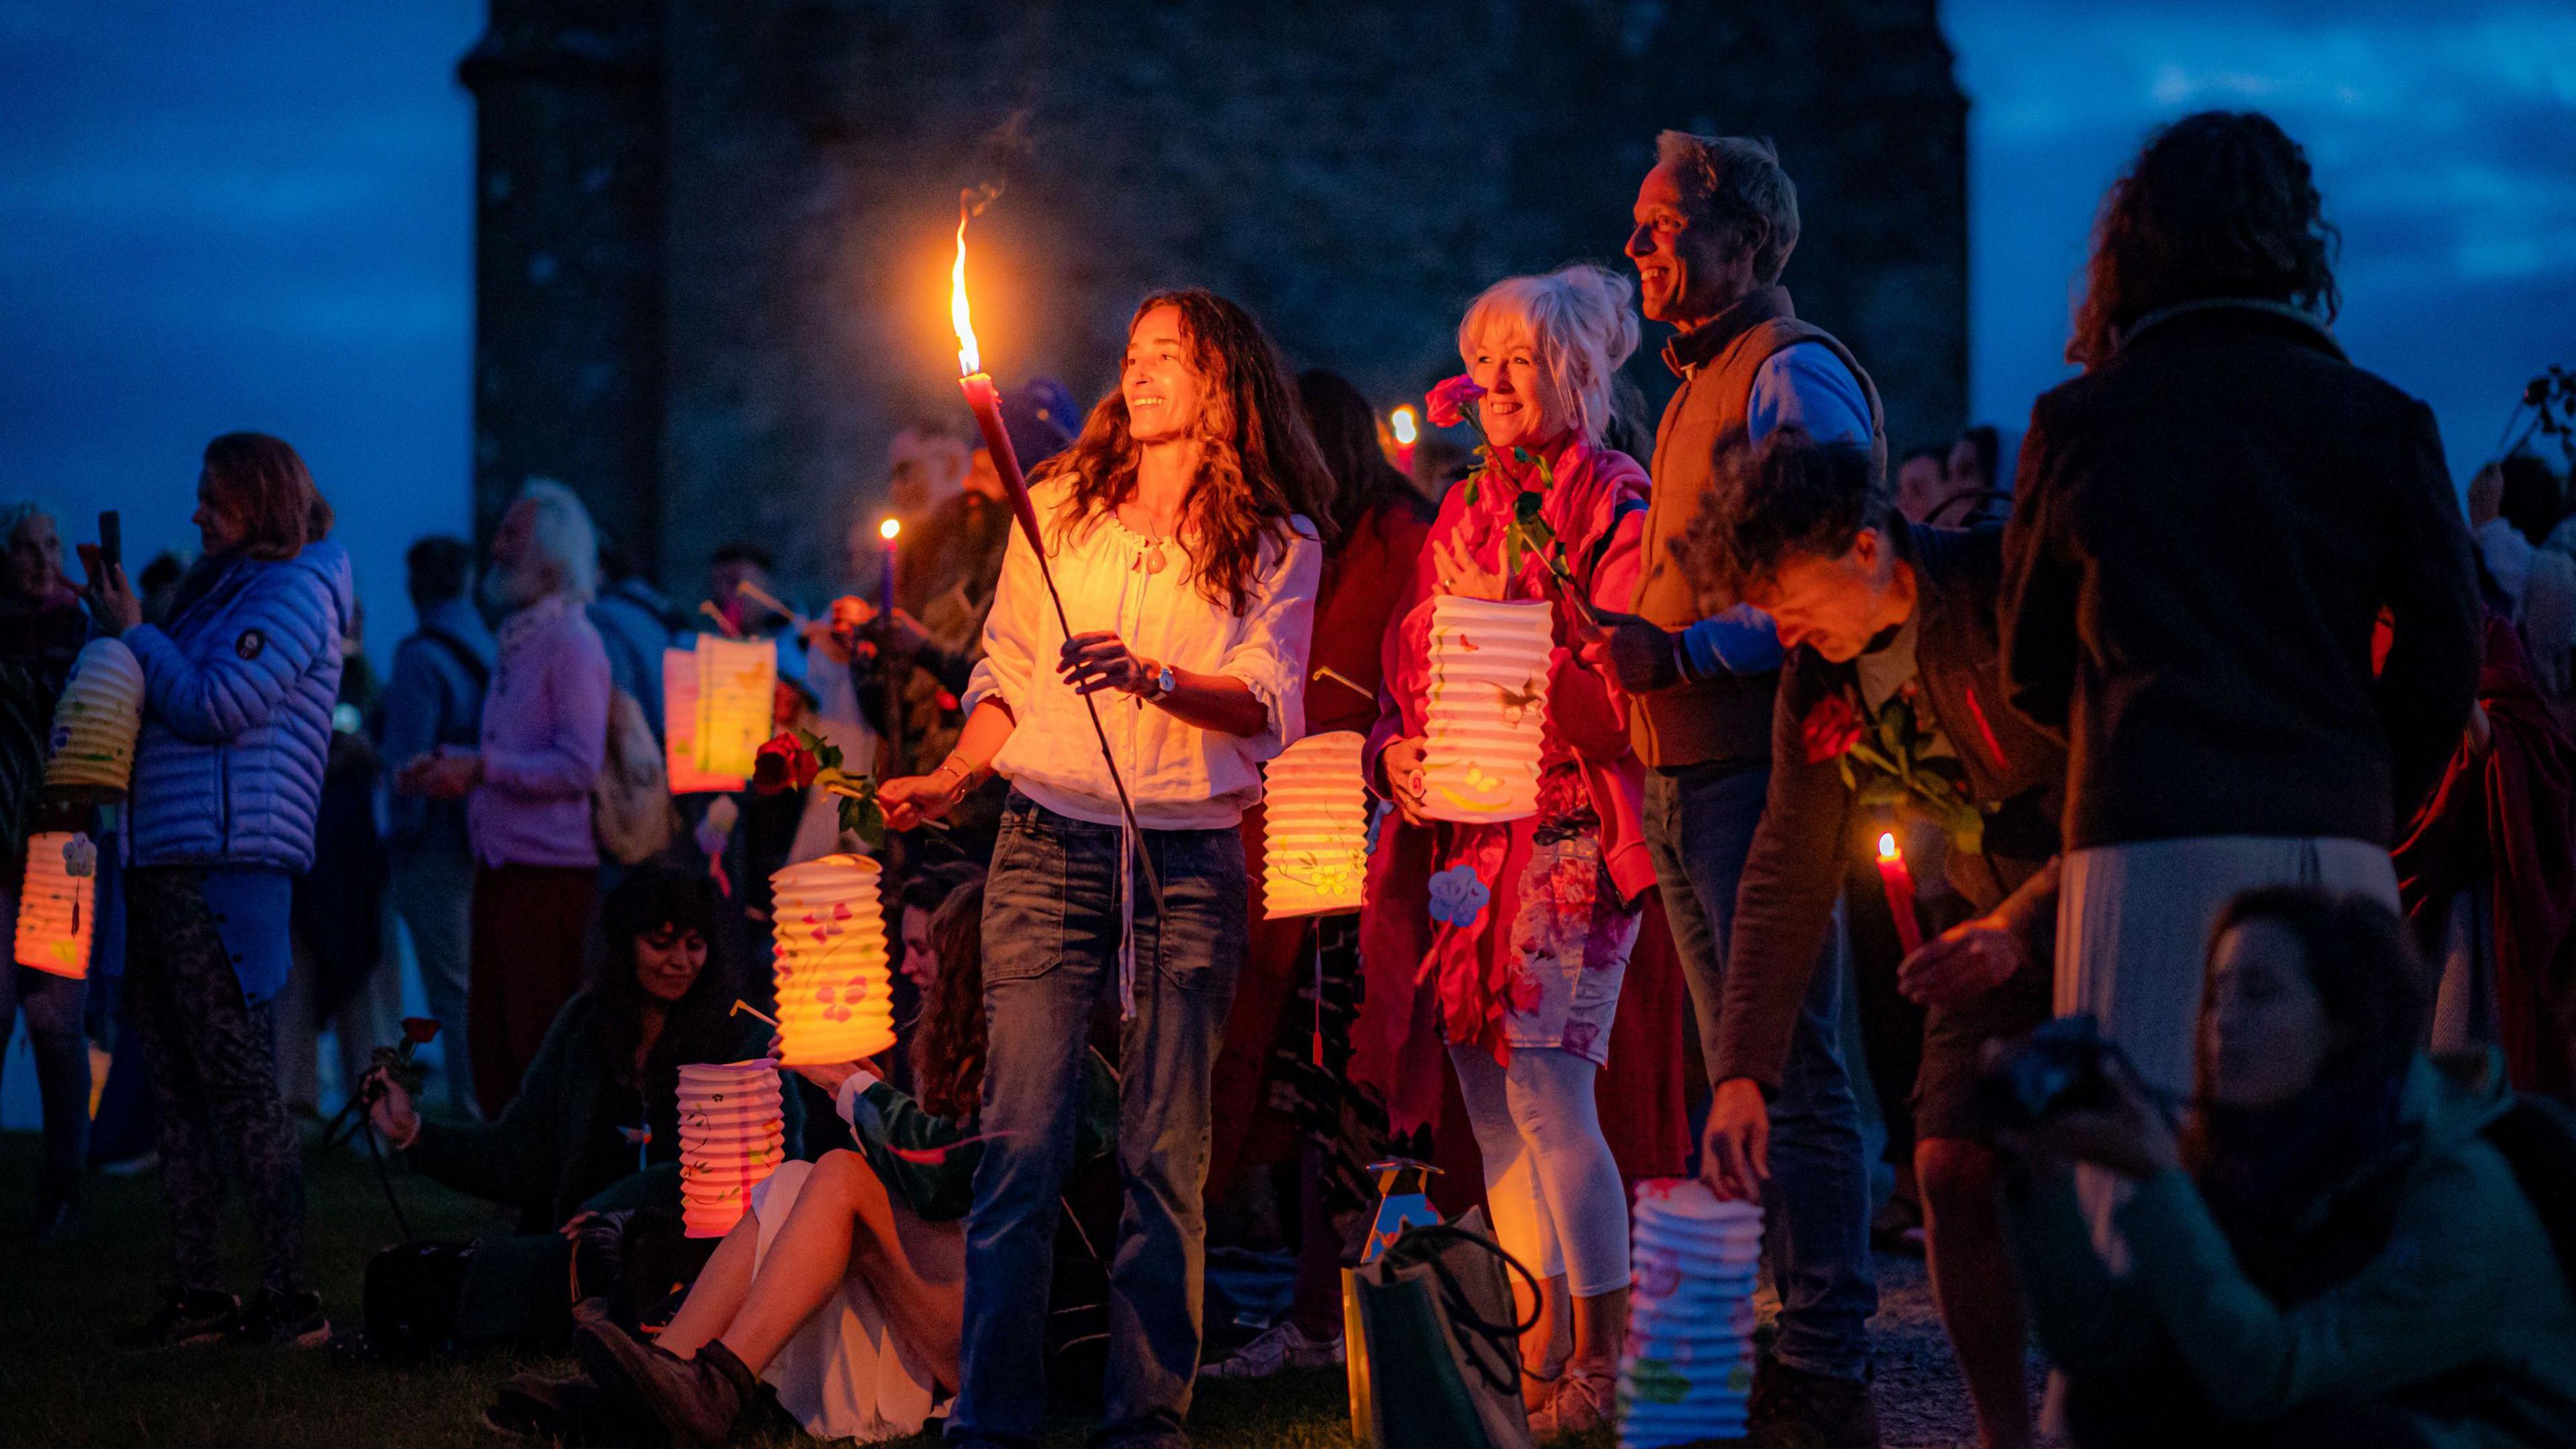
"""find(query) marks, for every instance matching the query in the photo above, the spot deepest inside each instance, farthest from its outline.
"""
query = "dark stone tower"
(714, 237)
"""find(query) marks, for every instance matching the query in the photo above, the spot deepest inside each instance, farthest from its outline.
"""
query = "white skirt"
(2133, 928)
(845, 1375)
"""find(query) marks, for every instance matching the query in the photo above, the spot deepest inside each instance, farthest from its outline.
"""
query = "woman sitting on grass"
(595, 1126)
(844, 1286)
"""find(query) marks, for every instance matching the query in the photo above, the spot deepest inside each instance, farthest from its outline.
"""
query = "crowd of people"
(2230, 755)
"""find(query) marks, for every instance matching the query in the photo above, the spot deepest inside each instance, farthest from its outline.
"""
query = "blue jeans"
(53, 1005)
(1699, 829)
(1051, 937)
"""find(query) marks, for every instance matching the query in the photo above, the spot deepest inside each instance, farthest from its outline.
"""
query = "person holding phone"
(238, 690)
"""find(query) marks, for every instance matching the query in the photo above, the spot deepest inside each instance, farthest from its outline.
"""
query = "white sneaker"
(1282, 1346)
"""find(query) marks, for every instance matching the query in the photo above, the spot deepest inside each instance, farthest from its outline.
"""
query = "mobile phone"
(111, 538)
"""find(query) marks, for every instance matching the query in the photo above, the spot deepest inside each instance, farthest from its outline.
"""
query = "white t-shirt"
(1180, 777)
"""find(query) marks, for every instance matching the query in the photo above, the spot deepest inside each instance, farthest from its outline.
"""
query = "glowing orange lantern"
(737, 692)
(1487, 721)
(96, 721)
(835, 994)
(1314, 843)
(55, 903)
(732, 1137)
(680, 729)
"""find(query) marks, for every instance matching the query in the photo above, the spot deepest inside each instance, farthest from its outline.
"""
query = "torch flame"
(1402, 423)
(970, 360)
(1887, 845)
(888, 529)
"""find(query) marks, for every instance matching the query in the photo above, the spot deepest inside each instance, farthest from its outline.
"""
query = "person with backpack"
(2348, 1243)
(435, 701)
(528, 785)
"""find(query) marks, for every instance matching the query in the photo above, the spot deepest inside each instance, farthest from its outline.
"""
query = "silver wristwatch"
(1165, 682)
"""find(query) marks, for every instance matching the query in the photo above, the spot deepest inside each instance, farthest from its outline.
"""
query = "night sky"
(218, 216)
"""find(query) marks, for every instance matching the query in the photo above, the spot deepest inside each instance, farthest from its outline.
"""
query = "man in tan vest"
(1716, 220)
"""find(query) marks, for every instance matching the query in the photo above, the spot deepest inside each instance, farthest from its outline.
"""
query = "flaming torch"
(986, 401)
(1898, 881)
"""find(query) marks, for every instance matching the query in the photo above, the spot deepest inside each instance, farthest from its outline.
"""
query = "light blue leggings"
(1550, 1181)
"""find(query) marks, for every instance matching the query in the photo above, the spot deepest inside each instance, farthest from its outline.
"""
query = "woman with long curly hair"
(844, 1287)
(2213, 522)
(1183, 530)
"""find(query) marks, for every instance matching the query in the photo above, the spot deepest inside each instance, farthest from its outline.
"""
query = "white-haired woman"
(545, 732)
(1528, 981)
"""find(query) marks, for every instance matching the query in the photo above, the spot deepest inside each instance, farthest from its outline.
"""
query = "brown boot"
(696, 1399)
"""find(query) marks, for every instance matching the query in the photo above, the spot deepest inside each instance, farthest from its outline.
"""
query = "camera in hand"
(2064, 1066)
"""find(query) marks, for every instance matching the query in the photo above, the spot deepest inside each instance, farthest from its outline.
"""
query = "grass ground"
(64, 1387)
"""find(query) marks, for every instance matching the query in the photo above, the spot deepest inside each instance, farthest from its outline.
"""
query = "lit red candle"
(885, 577)
(1401, 426)
(1899, 883)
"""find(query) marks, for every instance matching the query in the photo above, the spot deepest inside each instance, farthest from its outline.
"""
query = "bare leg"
(1601, 1329)
(1974, 1283)
(717, 1295)
(845, 1214)
(1544, 1347)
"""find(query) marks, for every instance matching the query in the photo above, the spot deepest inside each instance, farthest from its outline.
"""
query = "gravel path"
(1921, 1402)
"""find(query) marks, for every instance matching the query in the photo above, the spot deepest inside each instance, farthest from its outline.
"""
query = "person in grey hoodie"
(238, 690)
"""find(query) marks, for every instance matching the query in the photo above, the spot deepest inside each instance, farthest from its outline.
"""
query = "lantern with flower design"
(732, 1136)
(835, 994)
(95, 722)
(737, 703)
(1487, 720)
(56, 902)
(1314, 839)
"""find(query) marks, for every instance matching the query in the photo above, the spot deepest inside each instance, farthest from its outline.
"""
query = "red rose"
(784, 764)
(419, 1030)
(1447, 403)
(1832, 727)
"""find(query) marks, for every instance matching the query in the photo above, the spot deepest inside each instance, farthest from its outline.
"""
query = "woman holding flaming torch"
(1152, 658)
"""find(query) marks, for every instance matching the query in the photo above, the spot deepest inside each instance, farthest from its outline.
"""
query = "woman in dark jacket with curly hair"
(2211, 522)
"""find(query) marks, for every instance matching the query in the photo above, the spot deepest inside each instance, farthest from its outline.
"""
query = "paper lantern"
(680, 729)
(835, 996)
(1487, 720)
(1688, 1370)
(1314, 841)
(732, 1136)
(96, 721)
(737, 692)
(55, 903)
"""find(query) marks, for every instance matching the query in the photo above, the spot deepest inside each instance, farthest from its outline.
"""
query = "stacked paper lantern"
(680, 736)
(1314, 844)
(54, 904)
(737, 692)
(1689, 1363)
(1488, 714)
(732, 1136)
(835, 996)
(95, 723)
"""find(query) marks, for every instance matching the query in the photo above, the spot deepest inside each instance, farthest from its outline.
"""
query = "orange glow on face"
(1887, 845)
(970, 360)
(1402, 424)
(888, 529)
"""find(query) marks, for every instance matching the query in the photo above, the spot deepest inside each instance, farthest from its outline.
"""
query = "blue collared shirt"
(1803, 385)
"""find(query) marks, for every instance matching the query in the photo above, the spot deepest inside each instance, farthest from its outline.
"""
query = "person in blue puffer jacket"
(238, 689)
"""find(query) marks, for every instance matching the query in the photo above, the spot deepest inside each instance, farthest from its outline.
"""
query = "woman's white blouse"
(1180, 777)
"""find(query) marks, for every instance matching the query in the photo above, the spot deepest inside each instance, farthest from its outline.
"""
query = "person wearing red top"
(1380, 525)
(1528, 983)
